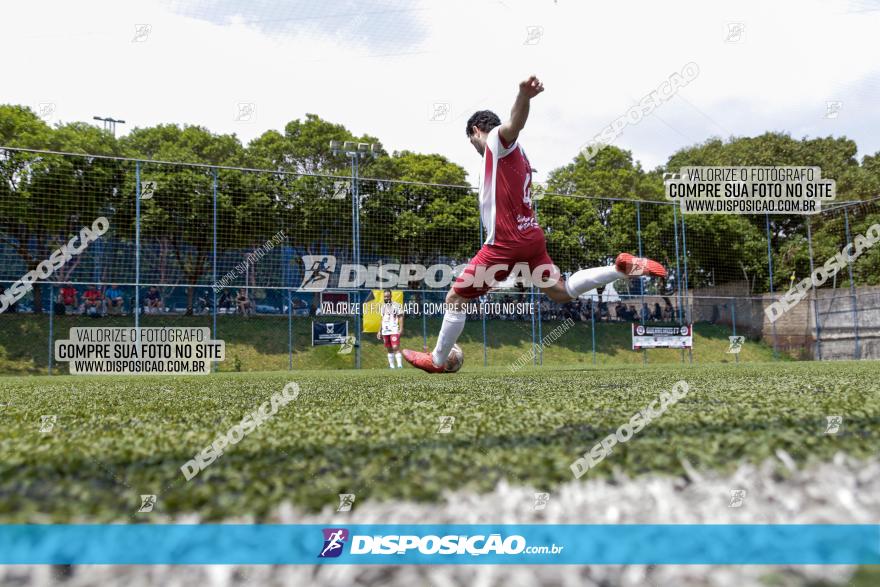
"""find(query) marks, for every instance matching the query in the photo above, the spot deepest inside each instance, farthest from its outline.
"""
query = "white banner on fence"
(128, 350)
(666, 337)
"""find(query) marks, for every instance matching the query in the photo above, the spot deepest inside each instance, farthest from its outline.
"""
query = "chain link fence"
(234, 250)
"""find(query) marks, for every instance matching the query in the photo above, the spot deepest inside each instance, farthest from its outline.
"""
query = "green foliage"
(38, 208)
(21, 127)
(416, 167)
(407, 215)
(303, 147)
(725, 240)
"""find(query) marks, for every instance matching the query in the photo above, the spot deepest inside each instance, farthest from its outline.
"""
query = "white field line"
(843, 491)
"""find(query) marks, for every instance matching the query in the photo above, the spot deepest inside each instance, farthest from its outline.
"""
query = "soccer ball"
(455, 360)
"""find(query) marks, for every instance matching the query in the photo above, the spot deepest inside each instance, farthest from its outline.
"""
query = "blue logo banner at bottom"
(440, 544)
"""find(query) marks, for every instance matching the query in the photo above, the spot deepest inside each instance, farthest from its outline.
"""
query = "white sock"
(584, 280)
(391, 360)
(453, 325)
(399, 358)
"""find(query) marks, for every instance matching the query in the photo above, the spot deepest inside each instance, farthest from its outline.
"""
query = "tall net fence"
(258, 257)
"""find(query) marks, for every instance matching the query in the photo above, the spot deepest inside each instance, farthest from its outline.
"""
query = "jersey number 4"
(527, 190)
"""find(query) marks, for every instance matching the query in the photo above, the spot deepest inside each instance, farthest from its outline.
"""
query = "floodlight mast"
(109, 123)
(355, 151)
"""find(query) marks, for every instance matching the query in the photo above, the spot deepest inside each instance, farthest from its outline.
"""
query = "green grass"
(261, 343)
(374, 433)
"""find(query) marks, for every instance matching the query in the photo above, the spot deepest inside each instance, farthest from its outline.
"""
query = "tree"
(835, 156)
(416, 213)
(419, 168)
(585, 227)
(178, 219)
(304, 147)
(45, 199)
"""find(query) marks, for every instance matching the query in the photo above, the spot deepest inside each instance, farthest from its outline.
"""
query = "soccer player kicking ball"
(392, 328)
(513, 235)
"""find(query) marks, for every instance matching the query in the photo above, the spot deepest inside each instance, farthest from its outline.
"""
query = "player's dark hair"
(485, 120)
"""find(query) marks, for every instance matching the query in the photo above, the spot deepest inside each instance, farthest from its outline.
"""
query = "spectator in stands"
(658, 312)
(585, 310)
(668, 310)
(621, 312)
(547, 313)
(153, 300)
(299, 305)
(114, 299)
(204, 302)
(68, 299)
(225, 301)
(92, 301)
(245, 305)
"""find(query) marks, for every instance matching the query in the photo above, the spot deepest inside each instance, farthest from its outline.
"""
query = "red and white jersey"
(390, 313)
(505, 192)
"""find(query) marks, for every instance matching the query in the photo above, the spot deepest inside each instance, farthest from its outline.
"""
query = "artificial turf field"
(374, 433)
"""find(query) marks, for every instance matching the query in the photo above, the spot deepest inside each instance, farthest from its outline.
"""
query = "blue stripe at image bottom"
(145, 544)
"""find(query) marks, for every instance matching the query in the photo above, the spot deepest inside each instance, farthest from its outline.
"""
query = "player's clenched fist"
(531, 87)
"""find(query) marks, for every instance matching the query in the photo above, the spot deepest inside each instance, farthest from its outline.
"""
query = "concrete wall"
(795, 332)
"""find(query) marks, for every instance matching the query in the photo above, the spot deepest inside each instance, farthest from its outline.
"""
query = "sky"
(411, 73)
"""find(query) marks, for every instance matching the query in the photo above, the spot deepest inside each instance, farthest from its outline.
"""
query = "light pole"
(109, 123)
(355, 151)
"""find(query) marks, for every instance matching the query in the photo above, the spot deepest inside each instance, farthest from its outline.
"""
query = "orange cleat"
(639, 266)
(423, 361)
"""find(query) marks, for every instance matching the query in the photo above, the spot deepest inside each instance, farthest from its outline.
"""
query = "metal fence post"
(51, 325)
(593, 325)
(287, 281)
(482, 313)
(97, 253)
(485, 340)
(540, 333)
(772, 290)
(540, 317)
(214, 264)
(356, 252)
(857, 351)
(689, 313)
(677, 268)
(424, 320)
(815, 292)
(641, 280)
(534, 343)
(733, 322)
(137, 247)
(289, 331)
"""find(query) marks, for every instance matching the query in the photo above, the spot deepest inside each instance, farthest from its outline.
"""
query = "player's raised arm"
(528, 89)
